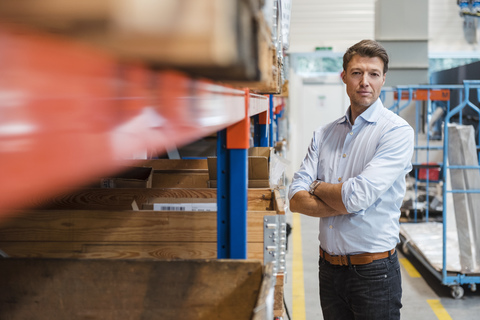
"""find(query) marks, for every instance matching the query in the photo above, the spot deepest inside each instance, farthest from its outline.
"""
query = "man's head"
(366, 48)
(365, 65)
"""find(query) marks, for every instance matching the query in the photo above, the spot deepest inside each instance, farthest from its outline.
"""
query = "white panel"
(341, 23)
(337, 24)
(401, 20)
(407, 54)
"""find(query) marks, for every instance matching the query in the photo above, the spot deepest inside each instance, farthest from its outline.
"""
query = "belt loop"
(349, 263)
(390, 254)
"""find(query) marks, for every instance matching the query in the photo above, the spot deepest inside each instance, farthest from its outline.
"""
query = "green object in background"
(323, 48)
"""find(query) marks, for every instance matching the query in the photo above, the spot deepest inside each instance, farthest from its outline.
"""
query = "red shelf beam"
(70, 113)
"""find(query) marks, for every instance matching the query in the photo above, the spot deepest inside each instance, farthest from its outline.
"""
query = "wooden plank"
(204, 36)
(121, 199)
(116, 250)
(176, 173)
(278, 305)
(124, 289)
(180, 180)
(121, 235)
(183, 165)
(121, 226)
(264, 295)
(278, 202)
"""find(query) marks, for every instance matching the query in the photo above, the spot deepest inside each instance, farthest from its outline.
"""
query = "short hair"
(366, 48)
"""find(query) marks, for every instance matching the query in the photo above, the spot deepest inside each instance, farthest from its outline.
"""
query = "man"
(353, 179)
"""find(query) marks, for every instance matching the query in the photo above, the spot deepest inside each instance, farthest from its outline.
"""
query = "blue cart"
(429, 230)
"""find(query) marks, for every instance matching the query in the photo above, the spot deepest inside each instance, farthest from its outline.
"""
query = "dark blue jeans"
(367, 292)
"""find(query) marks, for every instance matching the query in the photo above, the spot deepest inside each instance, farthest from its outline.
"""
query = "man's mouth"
(364, 93)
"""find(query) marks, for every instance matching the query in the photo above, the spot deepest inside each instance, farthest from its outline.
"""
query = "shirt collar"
(370, 115)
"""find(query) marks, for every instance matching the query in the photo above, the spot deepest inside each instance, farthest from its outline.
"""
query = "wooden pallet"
(100, 223)
(46, 289)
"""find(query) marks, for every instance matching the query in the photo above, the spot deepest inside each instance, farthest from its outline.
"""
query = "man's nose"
(364, 80)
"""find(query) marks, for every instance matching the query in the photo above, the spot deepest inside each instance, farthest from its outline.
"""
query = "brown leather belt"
(355, 259)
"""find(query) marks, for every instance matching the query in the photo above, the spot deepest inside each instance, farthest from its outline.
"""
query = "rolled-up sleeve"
(392, 160)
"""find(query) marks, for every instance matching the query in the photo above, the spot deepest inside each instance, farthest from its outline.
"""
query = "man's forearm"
(310, 205)
(331, 195)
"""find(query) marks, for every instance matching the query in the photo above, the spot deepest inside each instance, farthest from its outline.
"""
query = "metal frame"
(83, 114)
(232, 181)
(452, 279)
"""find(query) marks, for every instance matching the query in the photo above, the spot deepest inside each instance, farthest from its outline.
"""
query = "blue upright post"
(263, 136)
(271, 142)
(223, 218)
(238, 203)
(257, 135)
(260, 127)
(232, 184)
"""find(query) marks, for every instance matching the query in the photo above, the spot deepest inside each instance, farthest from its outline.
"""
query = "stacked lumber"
(101, 223)
(227, 40)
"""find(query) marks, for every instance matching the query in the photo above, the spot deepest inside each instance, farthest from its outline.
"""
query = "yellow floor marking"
(298, 288)
(439, 310)
(412, 272)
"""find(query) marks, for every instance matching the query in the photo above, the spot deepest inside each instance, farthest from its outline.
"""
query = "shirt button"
(344, 155)
(339, 179)
(351, 133)
(331, 227)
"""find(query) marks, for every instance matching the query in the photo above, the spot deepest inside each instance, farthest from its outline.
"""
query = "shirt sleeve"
(308, 169)
(392, 159)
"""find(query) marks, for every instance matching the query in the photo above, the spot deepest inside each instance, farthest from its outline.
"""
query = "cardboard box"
(258, 168)
(132, 177)
(177, 173)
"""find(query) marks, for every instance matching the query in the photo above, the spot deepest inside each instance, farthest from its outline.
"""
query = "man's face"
(364, 78)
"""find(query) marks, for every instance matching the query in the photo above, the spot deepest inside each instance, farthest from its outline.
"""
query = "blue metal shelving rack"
(232, 181)
(454, 280)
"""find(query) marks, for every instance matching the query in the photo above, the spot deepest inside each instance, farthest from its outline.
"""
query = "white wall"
(338, 23)
(313, 102)
(341, 23)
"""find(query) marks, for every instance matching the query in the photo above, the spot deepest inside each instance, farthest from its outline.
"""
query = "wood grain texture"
(128, 234)
(44, 289)
(118, 250)
(121, 199)
(94, 226)
(121, 235)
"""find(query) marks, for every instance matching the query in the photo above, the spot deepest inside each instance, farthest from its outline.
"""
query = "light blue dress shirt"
(371, 158)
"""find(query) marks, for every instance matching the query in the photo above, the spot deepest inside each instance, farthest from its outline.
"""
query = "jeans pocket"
(376, 270)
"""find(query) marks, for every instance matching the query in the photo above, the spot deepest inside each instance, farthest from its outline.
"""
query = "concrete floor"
(424, 298)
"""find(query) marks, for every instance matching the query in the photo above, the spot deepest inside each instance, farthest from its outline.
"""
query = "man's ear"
(342, 75)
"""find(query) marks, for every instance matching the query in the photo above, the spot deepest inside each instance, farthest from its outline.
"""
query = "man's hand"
(326, 201)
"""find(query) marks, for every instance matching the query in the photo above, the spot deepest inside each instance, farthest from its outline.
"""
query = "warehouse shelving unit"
(75, 107)
(108, 112)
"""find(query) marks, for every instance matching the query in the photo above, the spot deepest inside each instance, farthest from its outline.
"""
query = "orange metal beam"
(238, 134)
(423, 95)
(70, 114)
